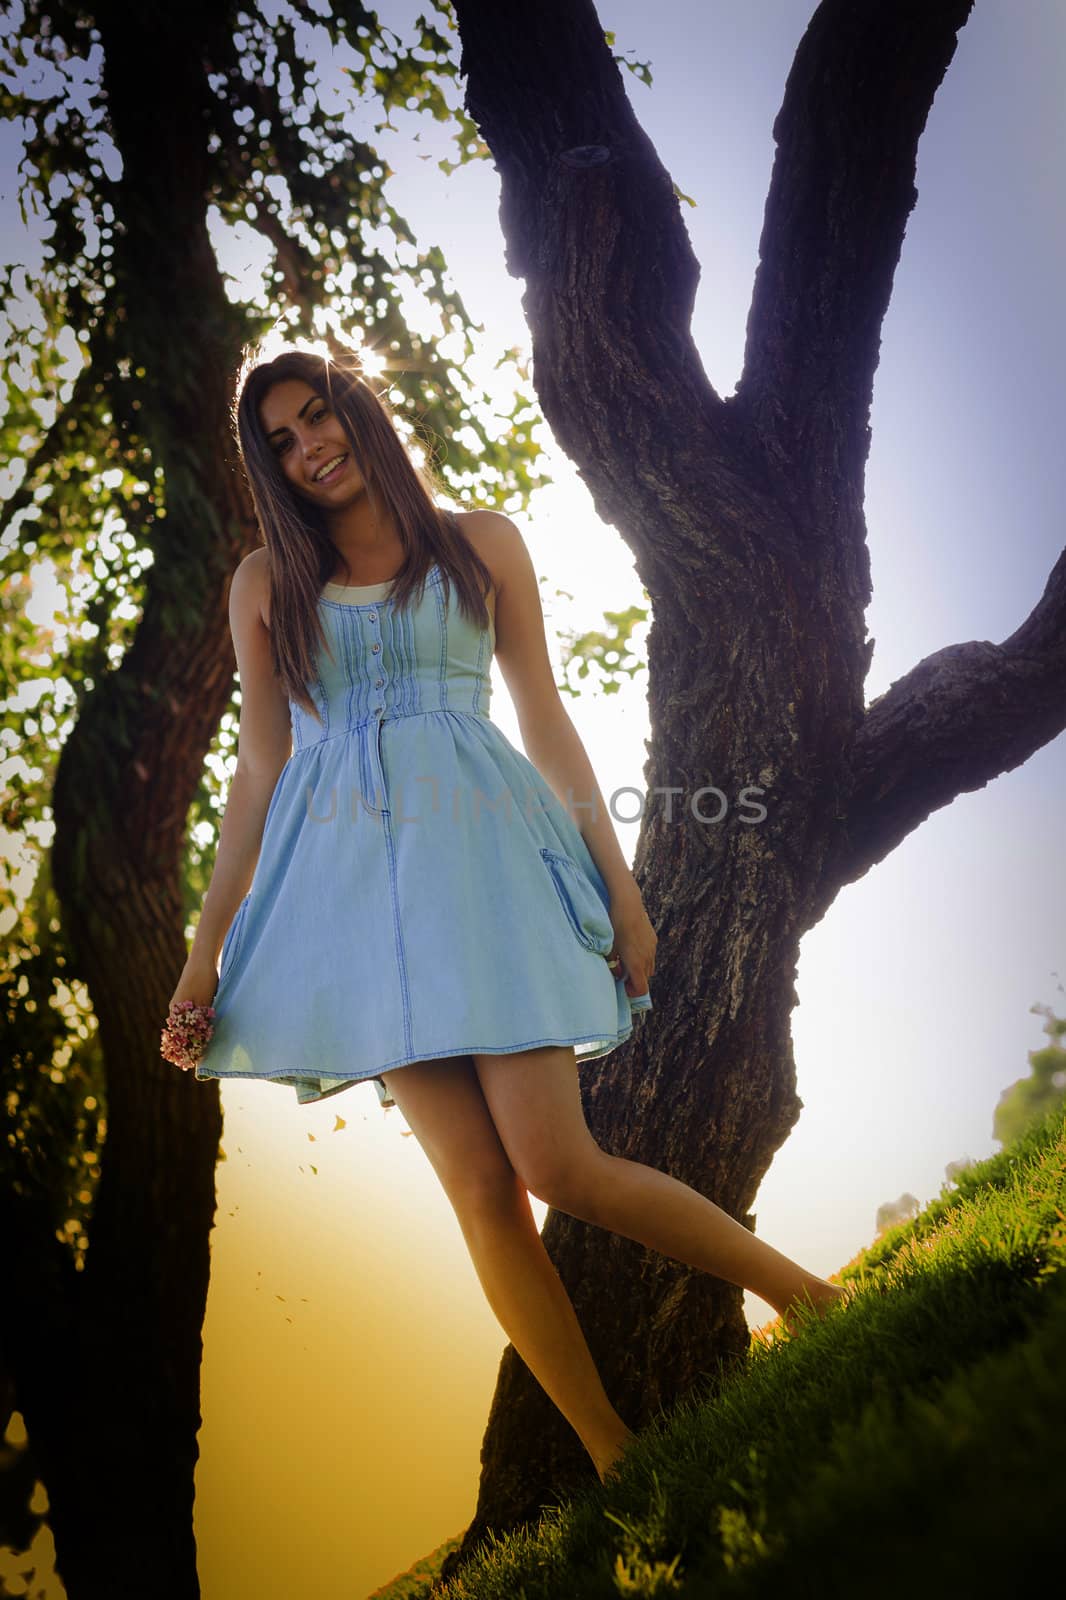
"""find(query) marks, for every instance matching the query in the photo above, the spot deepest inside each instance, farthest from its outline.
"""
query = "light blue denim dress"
(420, 891)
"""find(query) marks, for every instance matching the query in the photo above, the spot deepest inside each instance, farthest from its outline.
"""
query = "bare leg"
(535, 1101)
(442, 1103)
(664, 1214)
(530, 1303)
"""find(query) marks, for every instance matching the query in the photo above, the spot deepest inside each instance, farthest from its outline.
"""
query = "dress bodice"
(385, 664)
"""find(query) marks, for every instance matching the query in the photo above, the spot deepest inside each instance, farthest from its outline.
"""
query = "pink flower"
(187, 1031)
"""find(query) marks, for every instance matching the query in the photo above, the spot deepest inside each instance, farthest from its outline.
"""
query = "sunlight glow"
(373, 363)
(280, 337)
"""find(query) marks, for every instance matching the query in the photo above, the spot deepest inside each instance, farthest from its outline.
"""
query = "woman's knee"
(567, 1184)
(534, 1099)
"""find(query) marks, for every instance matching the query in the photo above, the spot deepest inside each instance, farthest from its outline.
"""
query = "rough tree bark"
(745, 517)
(108, 1368)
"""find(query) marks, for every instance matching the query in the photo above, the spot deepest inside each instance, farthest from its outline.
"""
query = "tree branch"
(962, 716)
(855, 105)
(592, 222)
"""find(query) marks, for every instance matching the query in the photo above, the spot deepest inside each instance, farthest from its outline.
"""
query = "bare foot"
(818, 1295)
(607, 1464)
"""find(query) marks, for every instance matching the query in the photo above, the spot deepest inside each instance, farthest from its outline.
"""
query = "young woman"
(400, 896)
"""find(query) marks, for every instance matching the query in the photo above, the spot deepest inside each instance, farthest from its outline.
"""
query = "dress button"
(375, 649)
(373, 616)
(379, 683)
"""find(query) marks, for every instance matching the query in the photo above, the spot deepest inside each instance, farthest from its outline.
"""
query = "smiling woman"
(465, 959)
(447, 840)
(338, 499)
(327, 456)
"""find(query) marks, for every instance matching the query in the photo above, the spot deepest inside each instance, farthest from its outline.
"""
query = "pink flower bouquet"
(187, 1031)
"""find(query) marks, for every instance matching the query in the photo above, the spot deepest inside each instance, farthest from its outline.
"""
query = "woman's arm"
(553, 746)
(264, 744)
(549, 737)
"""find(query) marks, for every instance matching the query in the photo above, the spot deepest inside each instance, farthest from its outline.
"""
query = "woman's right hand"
(198, 981)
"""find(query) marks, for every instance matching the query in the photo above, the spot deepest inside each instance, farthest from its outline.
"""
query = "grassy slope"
(913, 1437)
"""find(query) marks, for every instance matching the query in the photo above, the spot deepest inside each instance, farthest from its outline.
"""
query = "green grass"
(912, 1438)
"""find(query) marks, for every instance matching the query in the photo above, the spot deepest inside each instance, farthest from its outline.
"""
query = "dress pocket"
(231, 943)
(581, 901)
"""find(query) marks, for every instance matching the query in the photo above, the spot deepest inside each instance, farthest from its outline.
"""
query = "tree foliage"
(1028, 1100)
(90, 465)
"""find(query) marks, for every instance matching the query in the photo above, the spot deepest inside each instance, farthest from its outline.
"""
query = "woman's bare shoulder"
(490, 533)
(255, 574)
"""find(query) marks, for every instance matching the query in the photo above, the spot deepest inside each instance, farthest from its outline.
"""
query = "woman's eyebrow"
(299, 414)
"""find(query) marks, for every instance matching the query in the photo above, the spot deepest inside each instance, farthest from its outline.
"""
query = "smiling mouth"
(334, 471)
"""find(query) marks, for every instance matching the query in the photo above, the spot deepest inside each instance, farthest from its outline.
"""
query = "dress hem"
(344, 1079)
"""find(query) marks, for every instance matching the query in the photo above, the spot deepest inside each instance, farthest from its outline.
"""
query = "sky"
(349, 1354)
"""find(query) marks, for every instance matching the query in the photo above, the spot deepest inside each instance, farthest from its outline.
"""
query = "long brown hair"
(301, 554)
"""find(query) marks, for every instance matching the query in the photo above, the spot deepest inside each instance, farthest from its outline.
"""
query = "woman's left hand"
(633, 950)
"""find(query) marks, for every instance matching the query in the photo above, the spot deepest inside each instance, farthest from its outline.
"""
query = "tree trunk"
(745, 517)
(107, 1370)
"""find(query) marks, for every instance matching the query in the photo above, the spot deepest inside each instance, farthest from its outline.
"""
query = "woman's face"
(308, 439)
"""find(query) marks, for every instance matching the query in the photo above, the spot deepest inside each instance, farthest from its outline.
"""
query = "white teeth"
(321, 473)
